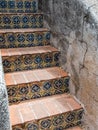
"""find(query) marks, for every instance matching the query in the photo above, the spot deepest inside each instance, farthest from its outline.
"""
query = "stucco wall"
(74, 27)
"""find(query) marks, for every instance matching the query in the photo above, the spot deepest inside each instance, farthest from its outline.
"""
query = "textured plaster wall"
(74, 27)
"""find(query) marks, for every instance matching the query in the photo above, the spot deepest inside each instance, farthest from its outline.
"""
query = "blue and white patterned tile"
(19, 6)
(10, 21)
(11, 40)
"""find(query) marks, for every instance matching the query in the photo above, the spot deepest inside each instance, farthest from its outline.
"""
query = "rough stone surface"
(4, 112)
(74, 27)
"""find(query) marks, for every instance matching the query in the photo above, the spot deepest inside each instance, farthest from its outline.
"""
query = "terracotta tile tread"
(23, 30)
(27, 50)
(34, 75)
(22, 112)
(74, 128)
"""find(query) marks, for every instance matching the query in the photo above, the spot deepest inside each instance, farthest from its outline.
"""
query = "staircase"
(38, 89)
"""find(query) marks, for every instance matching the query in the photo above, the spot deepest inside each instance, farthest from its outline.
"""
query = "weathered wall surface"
(74, 27)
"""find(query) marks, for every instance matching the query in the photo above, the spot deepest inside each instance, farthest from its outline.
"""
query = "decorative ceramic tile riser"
(19, 6)
(25, 39)
(57, 122)
(38, 89)
(29, 62)
(9, 21)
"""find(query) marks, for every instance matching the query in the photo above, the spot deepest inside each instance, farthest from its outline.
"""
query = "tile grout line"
(33, 112)
(14, 79)
(58, 108)
(79, 102)
(70, 106)
(44, 109)
(25, 77)
(19, 52)
(36, 77)
(21, 116)
(8, 52)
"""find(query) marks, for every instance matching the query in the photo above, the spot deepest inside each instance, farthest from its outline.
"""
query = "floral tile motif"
(28, 62)
(45, 124)
(31, 126)
(34, 90)
(21, 21)
(23, 92)
(12, 91)
(19, 6)
(59, 128)
(19, 127)
(70, 117)
(79, 114)
(14, 40)
(47, 86)
(57, 122)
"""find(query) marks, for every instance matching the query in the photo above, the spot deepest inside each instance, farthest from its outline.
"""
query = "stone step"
(21, 20)
(13, 38)
(18, 59)
(19, 6)
(50, 113)
(26, 85)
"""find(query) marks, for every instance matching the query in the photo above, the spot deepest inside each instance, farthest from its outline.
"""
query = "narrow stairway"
(38, 88)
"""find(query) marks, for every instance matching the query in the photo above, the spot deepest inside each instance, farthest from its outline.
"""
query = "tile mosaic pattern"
(30, 61)
(56, 112)
(9, 21)
(19, 6)
(24, 39)
(27, 91)
(47, 125)
(57, 122)
(15, 15)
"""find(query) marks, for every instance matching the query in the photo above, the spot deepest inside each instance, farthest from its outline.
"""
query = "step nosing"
(44, 108)
(27, 54)
(25, 50)
(24, 30)
(48, 116)
(38, 80)
(52, 76)
(26, 80)
(14, 80)
(44, 117)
